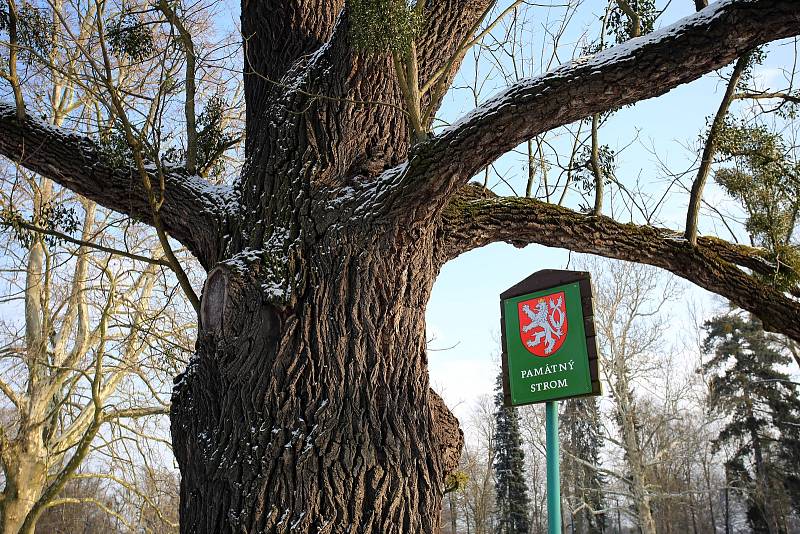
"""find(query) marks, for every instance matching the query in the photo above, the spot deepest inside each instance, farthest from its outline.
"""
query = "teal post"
(553, 476)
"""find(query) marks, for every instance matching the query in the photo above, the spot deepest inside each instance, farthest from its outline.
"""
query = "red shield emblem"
(543, 324)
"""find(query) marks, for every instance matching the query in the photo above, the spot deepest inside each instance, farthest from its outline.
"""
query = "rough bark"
(318, 420)
(275, 34)
(340, 108)
(307, 406)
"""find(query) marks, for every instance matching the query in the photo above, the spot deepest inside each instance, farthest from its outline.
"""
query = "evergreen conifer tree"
(763, 406)
(581, 443)
(512, 502)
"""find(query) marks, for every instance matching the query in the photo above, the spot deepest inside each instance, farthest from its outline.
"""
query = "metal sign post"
(553, 471)
(549, 353)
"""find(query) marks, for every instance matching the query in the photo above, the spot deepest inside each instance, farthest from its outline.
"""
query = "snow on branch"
(641, 68)
(193, 210)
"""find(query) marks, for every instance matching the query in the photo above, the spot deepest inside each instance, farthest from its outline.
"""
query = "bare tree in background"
(94, 352)
(87, 368)
(628, 314)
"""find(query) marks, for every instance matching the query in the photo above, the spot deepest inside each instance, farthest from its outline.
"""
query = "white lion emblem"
(546, 319)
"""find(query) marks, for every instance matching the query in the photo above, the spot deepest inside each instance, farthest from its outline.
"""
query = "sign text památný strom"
(549, 348)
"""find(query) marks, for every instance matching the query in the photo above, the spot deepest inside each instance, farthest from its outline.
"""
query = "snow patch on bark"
(271, 263)
(365, 199)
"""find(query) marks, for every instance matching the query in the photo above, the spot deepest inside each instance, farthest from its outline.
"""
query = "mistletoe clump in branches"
(129, 36)
(761, 174)
(33, 27)
(378, 26)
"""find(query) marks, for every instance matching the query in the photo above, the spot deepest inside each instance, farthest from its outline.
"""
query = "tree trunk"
(25, 456)
(638, 484)
(762, 496)
(630, 440)
(26, 474)
(307, 406)
(320, 420)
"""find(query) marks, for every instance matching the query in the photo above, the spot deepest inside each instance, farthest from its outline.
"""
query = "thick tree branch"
(472, 221)
(638, 69)
(194, 212)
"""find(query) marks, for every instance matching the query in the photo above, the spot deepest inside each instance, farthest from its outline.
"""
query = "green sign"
(549, 348)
